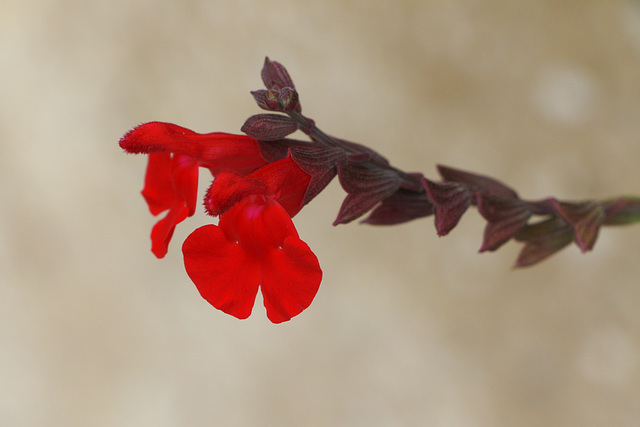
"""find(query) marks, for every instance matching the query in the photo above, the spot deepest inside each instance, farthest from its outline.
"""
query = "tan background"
(408, 328)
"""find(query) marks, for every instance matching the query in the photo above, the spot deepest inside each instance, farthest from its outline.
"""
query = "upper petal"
(286, 183)
(216, 151)
(185, 180)
(227, 189)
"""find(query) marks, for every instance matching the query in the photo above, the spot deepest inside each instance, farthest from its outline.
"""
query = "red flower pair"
(255, 243)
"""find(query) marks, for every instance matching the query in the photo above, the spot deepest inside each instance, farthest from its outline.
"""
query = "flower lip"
(254, 245)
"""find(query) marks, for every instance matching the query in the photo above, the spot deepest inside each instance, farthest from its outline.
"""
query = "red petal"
(222, 271)
(258, 223)
(286, 183)
(254, 244)
(216, 151)
(290, 280)
(171, 182)
(228, 189)
(168, 180)
(283, 181)
(185, 180)
(158, 189)
(163, 230)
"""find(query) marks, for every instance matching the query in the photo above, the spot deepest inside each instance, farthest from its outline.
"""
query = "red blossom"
(255, 244)
(171, 183)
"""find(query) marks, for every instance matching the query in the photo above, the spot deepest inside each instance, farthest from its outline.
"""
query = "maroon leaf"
(279, 149)
(505, 217)
(401, 206)
(451, 200)
(621, 211)
(267, 100)
(367, 185)
(476, 182)
(543, 239)
(289, 100)
(320, 163)
(269, 127)
(364, 153)
(585, 218)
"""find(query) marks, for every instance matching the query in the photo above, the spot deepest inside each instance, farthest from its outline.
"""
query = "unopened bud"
(289, 100)
(267, 100)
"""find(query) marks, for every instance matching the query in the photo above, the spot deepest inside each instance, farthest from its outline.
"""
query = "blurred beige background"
(407, 329)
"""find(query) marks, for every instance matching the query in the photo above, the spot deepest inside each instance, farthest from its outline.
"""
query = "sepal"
(402, 206)
(585, 218)
(320, 163)
(542, 240)
(477, 182)
(366, 186)
(621, 211)
(269, 127)
(451, 200)
(505, 217)
(266, 99)
(275, 76)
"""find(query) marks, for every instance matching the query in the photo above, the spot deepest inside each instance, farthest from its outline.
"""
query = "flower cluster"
(263, 179)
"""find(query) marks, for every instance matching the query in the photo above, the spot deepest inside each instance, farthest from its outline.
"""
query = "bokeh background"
(407, 328)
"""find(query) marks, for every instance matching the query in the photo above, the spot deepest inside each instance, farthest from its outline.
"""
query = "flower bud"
(289, 100)
(275, 76)
(267, 100)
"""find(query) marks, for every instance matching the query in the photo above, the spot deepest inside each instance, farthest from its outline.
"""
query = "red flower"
(171, 181)
(255, 244)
